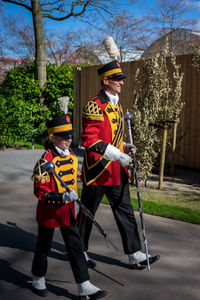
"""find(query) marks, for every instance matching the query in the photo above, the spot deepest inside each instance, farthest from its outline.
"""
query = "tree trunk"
(40, 53)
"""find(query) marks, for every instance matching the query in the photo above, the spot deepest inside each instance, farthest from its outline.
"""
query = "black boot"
(39, 286)
(86, 290)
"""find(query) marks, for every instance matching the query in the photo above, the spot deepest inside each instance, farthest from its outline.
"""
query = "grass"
(183, 199)
(178, 206)
(164, 210)
(28, 145)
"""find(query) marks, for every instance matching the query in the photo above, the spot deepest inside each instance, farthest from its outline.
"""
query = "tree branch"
(19, 3)
(71, 14)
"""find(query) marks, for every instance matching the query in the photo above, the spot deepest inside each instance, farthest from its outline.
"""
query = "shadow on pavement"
(8, 274)
(13, 236)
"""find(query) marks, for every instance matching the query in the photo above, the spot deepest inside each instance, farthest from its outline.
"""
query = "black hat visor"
(117, 77)
(65, 134)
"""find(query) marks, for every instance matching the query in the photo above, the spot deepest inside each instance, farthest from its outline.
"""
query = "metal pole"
(128, 118)
(33, 143)
(79, 105)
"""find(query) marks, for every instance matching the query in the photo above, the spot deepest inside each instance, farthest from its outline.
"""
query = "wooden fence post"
(173, 148)
(162, 161)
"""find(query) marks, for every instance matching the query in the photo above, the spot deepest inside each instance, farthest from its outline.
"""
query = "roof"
(181, 42)
(9, 59)
(127, 55)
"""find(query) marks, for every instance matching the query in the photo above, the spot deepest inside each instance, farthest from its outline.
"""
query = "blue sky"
(138, 9)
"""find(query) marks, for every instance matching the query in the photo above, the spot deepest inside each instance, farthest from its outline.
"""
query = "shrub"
(25, 107)
(157, 100)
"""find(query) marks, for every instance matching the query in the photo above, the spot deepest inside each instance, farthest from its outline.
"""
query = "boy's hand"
(70, 196)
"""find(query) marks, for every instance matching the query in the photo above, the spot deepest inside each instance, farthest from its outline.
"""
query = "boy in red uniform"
(56, 209)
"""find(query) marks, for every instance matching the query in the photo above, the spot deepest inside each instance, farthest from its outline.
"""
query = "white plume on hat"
(63, 102)
(111, 47)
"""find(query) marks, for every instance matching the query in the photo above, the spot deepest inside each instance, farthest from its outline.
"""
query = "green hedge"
(24, 107)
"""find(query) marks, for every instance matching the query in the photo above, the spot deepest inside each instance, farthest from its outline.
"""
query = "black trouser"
(119, 199)
(73, 246)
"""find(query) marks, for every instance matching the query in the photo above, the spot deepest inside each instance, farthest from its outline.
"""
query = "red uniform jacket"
(102, 123)
(49, 214)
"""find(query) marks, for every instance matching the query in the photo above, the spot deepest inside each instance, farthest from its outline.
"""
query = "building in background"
(181, 41)
(8, 63)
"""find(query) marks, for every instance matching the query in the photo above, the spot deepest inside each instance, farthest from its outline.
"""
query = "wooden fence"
(86, 86)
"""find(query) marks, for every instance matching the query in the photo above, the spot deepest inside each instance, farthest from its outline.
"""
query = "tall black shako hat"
(112, 70)
(60, 125)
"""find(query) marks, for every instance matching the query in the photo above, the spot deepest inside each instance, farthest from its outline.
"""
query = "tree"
(169, 15)
(157, 99)
(126, 31)
(20, 41)
(20, 37)
(63, 47)
(56, 10)
(40, 54)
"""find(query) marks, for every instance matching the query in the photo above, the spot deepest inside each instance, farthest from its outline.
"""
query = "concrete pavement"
(175, 276)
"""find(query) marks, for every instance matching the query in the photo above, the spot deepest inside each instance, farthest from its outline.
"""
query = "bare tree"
(61, 47)
(56, 10)
(128, 32)
(169, 15)
(20, 37)
(170, 18)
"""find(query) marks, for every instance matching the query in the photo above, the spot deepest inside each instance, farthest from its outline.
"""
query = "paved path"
(175, 276)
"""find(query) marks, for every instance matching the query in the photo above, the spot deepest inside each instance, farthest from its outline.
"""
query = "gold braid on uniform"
(92, 111)
(39, 174)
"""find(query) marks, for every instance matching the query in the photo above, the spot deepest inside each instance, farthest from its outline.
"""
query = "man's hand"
(124, 159)
(129, 148)
(113, 153)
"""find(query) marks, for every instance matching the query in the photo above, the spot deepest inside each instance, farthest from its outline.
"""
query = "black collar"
(103, 97)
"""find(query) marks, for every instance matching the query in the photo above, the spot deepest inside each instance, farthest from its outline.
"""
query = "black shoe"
(41, 293)
(97, 295)
(151, 260)
(91, 264)
(137, 267)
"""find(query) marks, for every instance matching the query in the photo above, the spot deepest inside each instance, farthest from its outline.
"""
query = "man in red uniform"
(105, 165)
(56, 209)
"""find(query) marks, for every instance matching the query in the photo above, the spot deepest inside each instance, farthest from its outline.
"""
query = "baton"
(128, 117)
(49, 167)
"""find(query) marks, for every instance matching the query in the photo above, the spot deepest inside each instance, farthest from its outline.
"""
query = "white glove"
(124, 159)
(113, 153)
(129, 148)
(69, 196)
